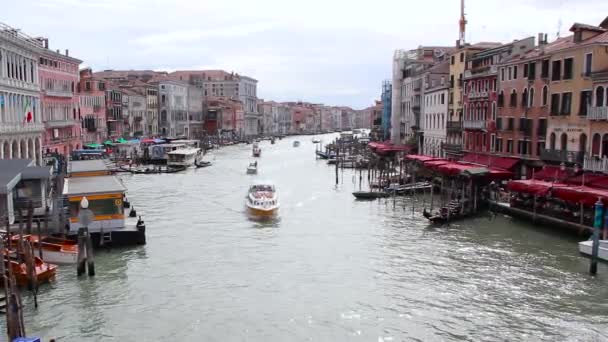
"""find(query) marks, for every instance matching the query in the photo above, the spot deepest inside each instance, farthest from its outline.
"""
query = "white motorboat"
(184, 157)
(585, 248)
(252, 169)
(257, 151)
(262, 200)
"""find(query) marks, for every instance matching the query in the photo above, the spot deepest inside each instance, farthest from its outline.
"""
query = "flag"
(29, 115)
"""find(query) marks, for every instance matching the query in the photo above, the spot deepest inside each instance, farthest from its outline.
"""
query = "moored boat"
(184, 157)
(450, 212)
(43, 271)
(369, 195)
(262, 200)
(201, 164)
(54, 250)
(296, 143)
(586, 248)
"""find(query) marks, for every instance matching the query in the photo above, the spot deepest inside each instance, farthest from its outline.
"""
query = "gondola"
(202, 164)
(370, 195)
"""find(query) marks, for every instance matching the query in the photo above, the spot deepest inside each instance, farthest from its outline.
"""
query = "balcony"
(597, 113)
(19, 128)
(59, 93)
(18, 84)
(474, 124)
(60, 123)
(452, 148)
(485, 70)
(596, 164)
(562, 156)
(478, 95)
(454, 126)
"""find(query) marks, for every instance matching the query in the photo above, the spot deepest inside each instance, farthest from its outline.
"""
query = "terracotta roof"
(587, 27)
(215, 75)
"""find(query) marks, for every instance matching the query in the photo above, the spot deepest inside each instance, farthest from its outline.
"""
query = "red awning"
(454, 168)
(581, 194)
(498, 174)
(148, 141)
(420, 158)
(506, 163)
(433, 164)
(551, 173)
(532, 186)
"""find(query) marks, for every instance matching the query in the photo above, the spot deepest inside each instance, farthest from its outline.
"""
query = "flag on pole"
(27, 109)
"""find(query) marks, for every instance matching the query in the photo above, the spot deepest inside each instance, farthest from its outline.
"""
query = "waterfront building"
(285, 118)
(269, 117)
(92, 102)
(435, 110)
(386, 108)
(375, 116)
(21, 125)
(521, 125)
(116, 122)
(407, 90)
(61, 115)
(173, 107)
(194, 123)
(576, 127)
(480, 95)
(219, 83)
(135, 111)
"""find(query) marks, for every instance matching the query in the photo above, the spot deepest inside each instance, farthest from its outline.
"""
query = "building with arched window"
(20, 115)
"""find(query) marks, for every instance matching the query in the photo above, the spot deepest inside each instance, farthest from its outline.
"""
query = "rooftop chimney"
(67, 52)
(542, 38)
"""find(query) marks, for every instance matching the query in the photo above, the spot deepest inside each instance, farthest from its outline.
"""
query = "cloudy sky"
(331, 51)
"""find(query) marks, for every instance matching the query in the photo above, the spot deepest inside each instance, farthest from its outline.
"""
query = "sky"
(335, 52)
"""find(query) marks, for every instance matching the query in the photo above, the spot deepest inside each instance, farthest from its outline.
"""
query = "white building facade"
(173, 108)
(21, 125)
(434, 120)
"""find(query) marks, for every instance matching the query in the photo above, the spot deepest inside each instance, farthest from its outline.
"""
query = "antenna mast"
(462, 24)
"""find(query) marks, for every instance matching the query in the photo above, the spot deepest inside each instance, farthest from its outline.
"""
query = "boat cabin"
(182, 157)
(22, 182)
(88, 154)
(87, 168)
(159, 152)
(105, 195)
(188, 143)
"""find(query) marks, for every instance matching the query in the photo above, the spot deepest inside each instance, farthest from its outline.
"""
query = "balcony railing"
(562, 156)
(596, 164)
(474, 124)
(597, 113)
(478, 95)
(59, 93)
(16, 128)
(454, 126)
(60, 123)
(18, 84)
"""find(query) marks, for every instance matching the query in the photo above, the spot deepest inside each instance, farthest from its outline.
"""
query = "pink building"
(92, 98)
(58, 76)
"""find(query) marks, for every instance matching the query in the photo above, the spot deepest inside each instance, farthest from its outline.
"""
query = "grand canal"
(328, 269)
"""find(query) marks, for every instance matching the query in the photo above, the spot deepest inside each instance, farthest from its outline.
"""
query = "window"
(566, 103)
(541, 131)
(452, 79)
(442, 98)
(599, 97)
(556, 69)
(162, 99)
(552, 141)
(525, 70)
(544, 96)
(102, 86)
(532, 71)
(539, 147)
(524, 98)
(493, 111)
(563, 139)
(531, 98)
(555, 110)
(502, 74)
(492, 143)
(452, 60)
(510, 71)
(515, 72)
(509, 146)
(501, 99)
(585, 101)
(461, 57)
(568, 66)
(498, 145)
(87, 86)
(510, 124)
(588, 64)
(544, 72)
(513, 100)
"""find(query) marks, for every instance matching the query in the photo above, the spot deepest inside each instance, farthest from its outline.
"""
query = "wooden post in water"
(39, 239)
(597, 225)
(337, 160)
(81, 263)
(582, 212)
(534, 211)
(90, 258)
(432, 196)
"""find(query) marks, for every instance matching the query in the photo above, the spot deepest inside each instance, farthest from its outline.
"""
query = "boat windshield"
(268, 188)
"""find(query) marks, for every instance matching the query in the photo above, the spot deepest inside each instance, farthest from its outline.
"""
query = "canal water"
(329, 268)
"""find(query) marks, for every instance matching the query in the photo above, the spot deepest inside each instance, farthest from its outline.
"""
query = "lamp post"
(85, 245)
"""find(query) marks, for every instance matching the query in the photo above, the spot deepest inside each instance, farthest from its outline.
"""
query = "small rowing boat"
(54, 250)
(370, 195)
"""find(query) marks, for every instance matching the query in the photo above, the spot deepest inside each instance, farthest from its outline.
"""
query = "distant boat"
(586, 247)
(369, 195)
(256, 151)
(296, 143)
(252, 169)
(316, 140)
(262, 200)
(184, 157)
(451, 212)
